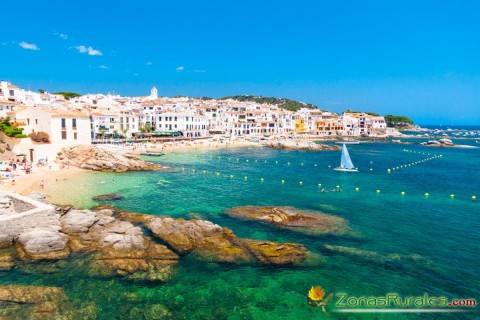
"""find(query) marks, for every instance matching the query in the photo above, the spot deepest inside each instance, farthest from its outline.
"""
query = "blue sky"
(420, 58)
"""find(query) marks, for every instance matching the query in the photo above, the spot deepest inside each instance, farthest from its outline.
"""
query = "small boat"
(346, 164)
(348, 142)
(152, 154)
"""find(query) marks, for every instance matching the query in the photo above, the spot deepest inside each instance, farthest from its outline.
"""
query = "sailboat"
(346, 163)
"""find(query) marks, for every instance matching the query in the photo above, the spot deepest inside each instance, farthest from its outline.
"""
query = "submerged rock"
(39, 302)
(310, 223)
(98, 159)
(379, 258)
(212, 242)
(108, 197)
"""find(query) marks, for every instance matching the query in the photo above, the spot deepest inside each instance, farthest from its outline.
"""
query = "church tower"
(153, 93)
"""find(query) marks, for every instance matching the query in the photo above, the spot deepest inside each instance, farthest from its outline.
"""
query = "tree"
(10, 129)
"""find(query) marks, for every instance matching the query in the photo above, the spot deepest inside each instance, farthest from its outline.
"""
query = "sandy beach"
(40, 180)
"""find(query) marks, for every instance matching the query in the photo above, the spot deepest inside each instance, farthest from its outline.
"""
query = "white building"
(190, 124)
(64, 127)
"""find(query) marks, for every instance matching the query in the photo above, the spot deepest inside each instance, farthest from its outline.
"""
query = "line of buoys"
(319, 185)
(408, 165)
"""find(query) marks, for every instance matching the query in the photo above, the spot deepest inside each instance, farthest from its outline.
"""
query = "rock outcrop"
(120, 247)
(98, 159)
(302, 145)
(211, 242)
(306, 222)
(110, 242)
(444, 142)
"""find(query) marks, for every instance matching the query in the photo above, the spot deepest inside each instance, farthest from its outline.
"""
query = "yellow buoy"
(261, 179)
(245, 178)
(426, 194)
(283, 181)
(217, 173)
(474, 197)
(300, 182)
(377, 191)
(319, 185)
(402, 193)
(388, 170)
(357, 189)
(452, 196)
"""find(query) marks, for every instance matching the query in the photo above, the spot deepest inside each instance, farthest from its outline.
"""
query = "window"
(175, 118)
(74, 123)
(28, 121)
(159, 118)
(12, 93)
(75, 135)
(63, 123)
(64, 135)
(36, 121)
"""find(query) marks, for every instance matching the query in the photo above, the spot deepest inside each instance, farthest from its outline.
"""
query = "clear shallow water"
(444, 231)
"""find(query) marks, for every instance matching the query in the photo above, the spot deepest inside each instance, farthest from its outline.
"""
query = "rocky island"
(306, 222)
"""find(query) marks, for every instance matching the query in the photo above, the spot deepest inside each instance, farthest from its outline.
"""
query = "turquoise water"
(445, 231)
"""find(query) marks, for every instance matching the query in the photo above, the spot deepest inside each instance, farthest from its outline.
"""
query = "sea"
(416, 207)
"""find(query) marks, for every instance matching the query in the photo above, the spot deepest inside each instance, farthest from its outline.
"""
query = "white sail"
(346, 162)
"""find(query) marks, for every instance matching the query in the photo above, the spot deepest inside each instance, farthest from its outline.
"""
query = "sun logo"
(316, 297)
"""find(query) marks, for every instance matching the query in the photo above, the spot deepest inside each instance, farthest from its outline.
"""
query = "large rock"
(211, 242)
(120, 248)
(151, 261)
(311, 223)
(98, 159)
(42, 244)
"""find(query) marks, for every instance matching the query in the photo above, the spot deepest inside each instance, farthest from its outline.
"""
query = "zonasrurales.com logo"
(388, 303)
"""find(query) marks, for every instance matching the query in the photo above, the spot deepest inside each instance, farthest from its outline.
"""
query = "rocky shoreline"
(131, 245)
(301, 145)
(99, 159)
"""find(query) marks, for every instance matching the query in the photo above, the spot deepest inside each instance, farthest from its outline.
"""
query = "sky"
(417, 58)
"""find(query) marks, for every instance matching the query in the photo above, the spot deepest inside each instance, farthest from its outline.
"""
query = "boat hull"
(345, 169)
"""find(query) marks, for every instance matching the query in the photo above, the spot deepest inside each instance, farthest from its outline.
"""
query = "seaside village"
(47, 123)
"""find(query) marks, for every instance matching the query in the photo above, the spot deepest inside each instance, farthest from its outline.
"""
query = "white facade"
(190, 124)
(64, 127)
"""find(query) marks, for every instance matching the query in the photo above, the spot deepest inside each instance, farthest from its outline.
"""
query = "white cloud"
(89, 50)
(61, 35)
(102, 66)
(180, 68)
(148, 63)
(200, 71)
(28, 46)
